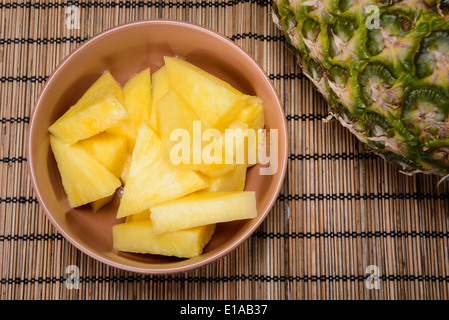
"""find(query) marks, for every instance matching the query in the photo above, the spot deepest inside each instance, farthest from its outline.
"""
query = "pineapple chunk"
(203, 208)
(83, 177)
(109, 149)
(175, 113)
(246, 142)
(253, 114)
(137, 93)
(139, 237)
(233, 180)
(152, 179)
(144, 215)
(126, 166)
(160, 87)
(98, 109)
(98, 204)
(215, 102)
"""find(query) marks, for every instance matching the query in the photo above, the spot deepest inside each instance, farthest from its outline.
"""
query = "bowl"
(125, 50)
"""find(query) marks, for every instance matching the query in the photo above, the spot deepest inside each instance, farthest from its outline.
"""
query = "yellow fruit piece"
(160, 86)
(152, 179)
(203, 208)
(244, 142)
(175, 114)
(233, 180)
(144, 215)
(214, 101)
(139, 237)
(126, 166)
(98, 204)
(109, 149)
(137, 95)
(83, 177)
(101, 107)
(253, 113)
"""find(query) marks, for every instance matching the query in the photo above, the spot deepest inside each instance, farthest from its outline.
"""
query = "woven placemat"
(344, 216)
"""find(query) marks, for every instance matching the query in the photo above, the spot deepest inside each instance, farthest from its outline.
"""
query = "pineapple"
(253, 114)
(383, 68)
(144, 215)
(139, 237)
(84, 178)
(137, 97)
(152, 179)
(101, 107)
(174, 112)
(234, 180)
(100, 203)
(214, 101)
(126, 166)
(109, 149)
(203, 208)
(160, 86)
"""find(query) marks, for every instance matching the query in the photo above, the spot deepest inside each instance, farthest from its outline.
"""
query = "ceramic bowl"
(125, 50)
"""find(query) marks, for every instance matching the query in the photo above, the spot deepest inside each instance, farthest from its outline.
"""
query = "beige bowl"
(124, 51)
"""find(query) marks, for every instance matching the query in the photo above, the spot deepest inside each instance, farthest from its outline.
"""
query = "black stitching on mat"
(13, 159)
(292, 157)
(131, 4)
(60, 40)
(42, 40)
(358, 196)
(257, 278)
(256, 36)
(291, 76)
(311, 197)
(33, 79)
(304, 117)
(15, 120)
(40, 79)
(275, 235)
(333, 156)
(18, 200)
(353, 234)
(32, 237)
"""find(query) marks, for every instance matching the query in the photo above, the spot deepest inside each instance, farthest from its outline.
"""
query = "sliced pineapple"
(100, 203)
(253, 113)
(160, 86)
(101, 107)
(233, 180)
(109, 149)
(126, 166)
(137, 95)
(215, 102)
(144, 215)
(139, 237)
(83, 177)
(175, 114)
(152, 179)
(203, 208)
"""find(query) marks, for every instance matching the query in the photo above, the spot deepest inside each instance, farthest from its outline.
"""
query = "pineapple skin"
(388, 84)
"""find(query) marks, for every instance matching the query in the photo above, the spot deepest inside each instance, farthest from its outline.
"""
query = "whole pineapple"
(383, 67)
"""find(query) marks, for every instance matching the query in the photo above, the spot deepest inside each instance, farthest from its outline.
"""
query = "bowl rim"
(201, 262)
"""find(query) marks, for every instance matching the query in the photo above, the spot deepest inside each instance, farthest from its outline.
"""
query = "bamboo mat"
(341, 214)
